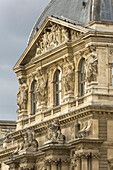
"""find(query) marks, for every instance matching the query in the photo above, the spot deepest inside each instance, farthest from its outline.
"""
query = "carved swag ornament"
(54, 35)
(41, 86)
(54, 134)
(22, 96)
(91, 64)
(68, 75)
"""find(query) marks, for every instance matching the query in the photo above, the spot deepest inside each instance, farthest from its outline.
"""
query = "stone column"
(95, 161)
(84, 161)
(54, 164)
(78, 163)
(65, 164)
(47, 164)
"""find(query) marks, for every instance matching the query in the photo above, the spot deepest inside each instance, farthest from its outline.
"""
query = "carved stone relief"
(22, 96)
(91, 65)
(53, 35)
(85, 129)
(29, 144)
(68, 75)
(41, 86)
(54, 134)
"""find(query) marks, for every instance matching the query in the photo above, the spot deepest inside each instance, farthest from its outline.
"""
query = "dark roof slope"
(83, 11)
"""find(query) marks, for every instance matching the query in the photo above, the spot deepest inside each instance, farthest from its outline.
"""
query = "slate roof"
(82, 11)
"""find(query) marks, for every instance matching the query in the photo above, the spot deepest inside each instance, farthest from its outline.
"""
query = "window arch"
(34, 98)
(57, 87)
(82, 77)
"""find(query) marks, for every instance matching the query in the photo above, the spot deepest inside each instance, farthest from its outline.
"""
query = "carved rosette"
(54, 134)
(91, 64)
(54, 35)
(41, 86)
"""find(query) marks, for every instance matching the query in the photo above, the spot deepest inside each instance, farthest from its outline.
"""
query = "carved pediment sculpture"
(22, 96)
(41, 86)
(54, 35)
(85, 130)
(54, 134)
(68, 75)
(91, 65)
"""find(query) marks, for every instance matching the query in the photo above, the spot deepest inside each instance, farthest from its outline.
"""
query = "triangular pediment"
(52, 33)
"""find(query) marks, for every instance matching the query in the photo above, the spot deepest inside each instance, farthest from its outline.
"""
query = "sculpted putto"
(91, 65)
(22, 96)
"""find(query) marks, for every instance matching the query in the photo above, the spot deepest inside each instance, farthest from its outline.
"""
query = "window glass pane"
(60, 98)
(60, 86)
(82, 90)
(57, 102)
(33, 96)
(112, 81)
(81, 77)
(34, 108)
(59, 76)
(112, 71)
(56, 87)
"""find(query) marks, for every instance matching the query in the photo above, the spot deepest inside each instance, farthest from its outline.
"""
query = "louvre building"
(65, 98)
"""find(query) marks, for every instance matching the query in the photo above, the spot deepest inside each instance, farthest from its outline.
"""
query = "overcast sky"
(17, 18)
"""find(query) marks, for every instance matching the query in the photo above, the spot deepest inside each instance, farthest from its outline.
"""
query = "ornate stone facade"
(65, 99)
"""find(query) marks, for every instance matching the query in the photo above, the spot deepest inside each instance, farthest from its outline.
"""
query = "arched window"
(34, 98)
(82, 77)
(57, 88)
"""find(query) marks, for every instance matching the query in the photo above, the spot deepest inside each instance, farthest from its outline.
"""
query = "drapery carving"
(91, 64)
(22, 96)
(68, 75)
(41, 86)
(54, 133)
(53, 35)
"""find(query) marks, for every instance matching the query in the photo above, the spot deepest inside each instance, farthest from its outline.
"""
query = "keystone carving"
(68, 75)
(22, 96)
(85, 130)
(91, 65)
(41, 86)
(54, 134)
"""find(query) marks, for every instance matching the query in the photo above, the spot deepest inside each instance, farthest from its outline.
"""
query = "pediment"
(51, 34)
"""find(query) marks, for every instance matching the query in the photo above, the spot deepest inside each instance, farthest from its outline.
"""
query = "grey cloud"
(17, 18)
